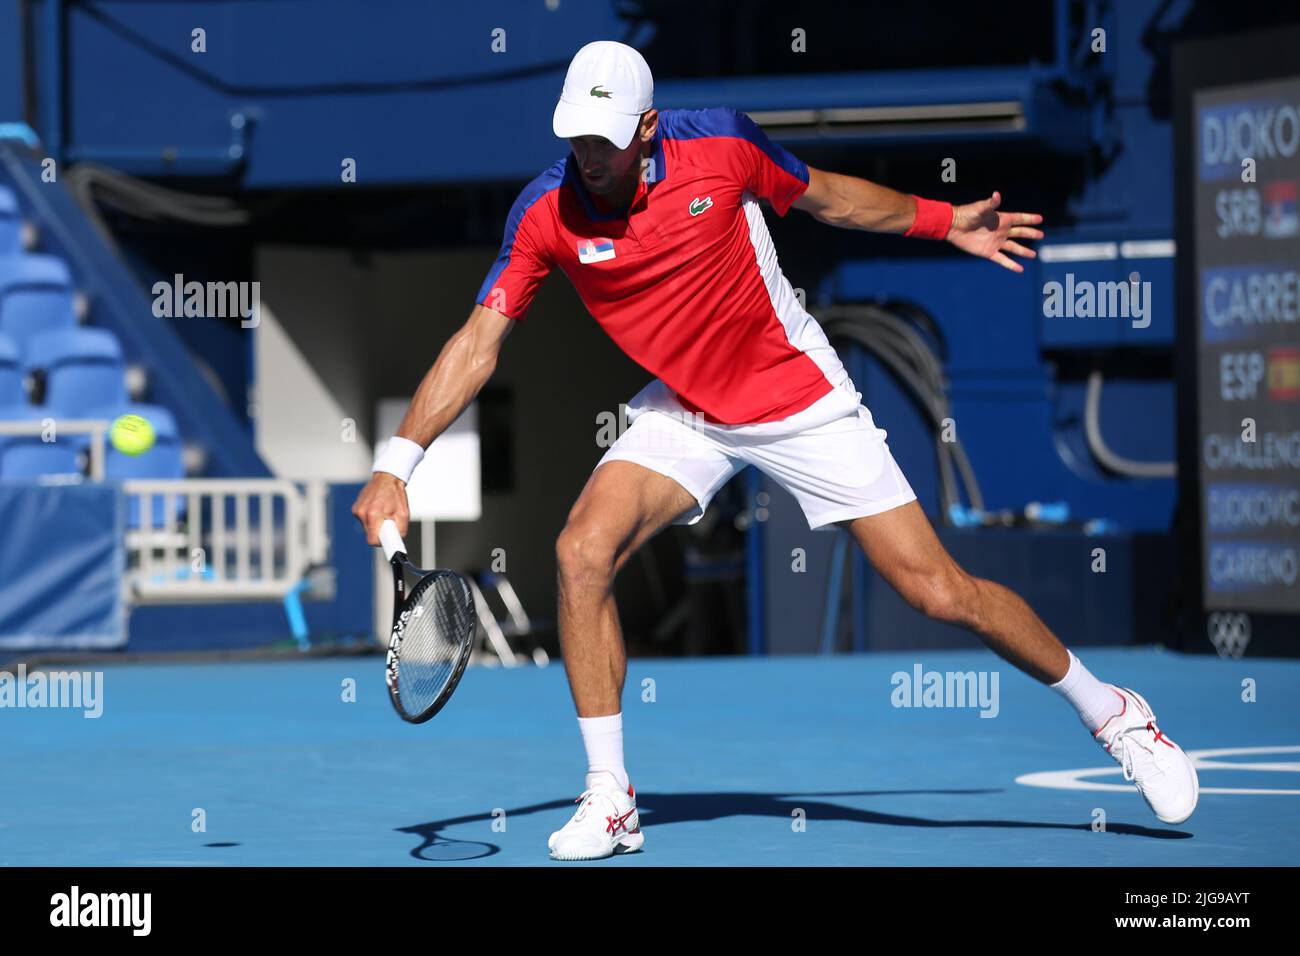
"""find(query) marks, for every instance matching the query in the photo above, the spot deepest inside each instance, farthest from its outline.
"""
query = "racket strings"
(437, 630)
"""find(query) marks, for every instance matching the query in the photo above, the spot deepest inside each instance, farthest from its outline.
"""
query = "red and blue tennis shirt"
(686, 279)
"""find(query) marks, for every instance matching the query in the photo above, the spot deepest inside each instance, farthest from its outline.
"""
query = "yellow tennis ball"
(131, 435)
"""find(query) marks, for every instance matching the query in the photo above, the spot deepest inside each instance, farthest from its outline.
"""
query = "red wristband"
(933, 219)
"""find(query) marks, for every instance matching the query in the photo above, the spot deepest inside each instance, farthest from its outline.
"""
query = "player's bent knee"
(584, 553)
(946, 596)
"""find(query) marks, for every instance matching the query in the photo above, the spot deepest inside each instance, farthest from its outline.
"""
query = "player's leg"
(902, 546)
(659, 470)
(842, 473)
(622, 506)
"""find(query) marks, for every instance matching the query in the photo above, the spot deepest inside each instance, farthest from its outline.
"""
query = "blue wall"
(286, 90)
(11, 99)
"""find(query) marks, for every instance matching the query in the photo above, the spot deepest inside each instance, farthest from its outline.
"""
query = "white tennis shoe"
(605, 823)
(1164, 774)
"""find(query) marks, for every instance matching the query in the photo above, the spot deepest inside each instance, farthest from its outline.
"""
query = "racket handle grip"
(391, 539)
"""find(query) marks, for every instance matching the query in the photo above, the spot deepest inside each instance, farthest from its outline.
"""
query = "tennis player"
(655, 218)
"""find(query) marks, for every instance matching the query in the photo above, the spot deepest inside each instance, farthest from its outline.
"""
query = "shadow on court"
(662, 809)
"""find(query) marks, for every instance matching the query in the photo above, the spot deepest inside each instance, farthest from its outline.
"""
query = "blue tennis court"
(800, 761)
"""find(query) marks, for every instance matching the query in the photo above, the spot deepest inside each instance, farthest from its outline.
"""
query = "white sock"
(603, 738)
(1095, 701)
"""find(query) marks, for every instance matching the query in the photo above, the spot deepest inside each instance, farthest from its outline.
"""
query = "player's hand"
(978, 228)
(384, 496)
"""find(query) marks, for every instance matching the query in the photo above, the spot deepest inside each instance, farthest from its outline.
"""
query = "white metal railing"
(206, 539)
(96, 428)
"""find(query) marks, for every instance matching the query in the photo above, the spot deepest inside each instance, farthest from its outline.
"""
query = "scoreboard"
(1248, 338)
(1239, 292)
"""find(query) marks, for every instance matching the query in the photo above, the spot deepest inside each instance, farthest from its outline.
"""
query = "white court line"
(1202, 759)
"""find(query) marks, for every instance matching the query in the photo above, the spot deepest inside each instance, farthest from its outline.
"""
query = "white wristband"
(399, 457)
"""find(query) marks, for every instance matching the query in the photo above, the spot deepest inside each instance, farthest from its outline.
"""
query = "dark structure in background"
(445, 110)
(1237, 104)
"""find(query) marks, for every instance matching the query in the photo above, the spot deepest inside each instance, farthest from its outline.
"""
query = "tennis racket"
(433, 633)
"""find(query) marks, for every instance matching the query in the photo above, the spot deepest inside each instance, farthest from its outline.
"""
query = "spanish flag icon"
(1284, 373)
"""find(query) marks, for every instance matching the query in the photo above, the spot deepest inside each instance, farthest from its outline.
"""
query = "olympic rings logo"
(1228, 632)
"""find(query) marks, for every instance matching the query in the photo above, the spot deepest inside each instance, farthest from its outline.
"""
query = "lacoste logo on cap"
(598, 92)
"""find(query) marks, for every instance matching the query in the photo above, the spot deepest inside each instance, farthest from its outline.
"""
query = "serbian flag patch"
(595, 250)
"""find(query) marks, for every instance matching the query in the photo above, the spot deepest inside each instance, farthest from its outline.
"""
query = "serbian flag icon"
(595, 250)
(1280, 219)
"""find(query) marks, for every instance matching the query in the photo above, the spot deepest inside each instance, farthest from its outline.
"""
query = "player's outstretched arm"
(853, 203)
(978, 228)
(463, 367)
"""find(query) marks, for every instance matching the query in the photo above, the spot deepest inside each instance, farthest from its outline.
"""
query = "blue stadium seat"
(83, 368)
(11, 224)
(27, 456)
(33, 269)
(11, 374)
(36, 295)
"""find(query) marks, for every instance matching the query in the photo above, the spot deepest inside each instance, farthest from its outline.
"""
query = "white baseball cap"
(606, 90)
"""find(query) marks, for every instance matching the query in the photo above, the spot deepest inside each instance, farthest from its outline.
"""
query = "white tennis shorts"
(831, 456)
